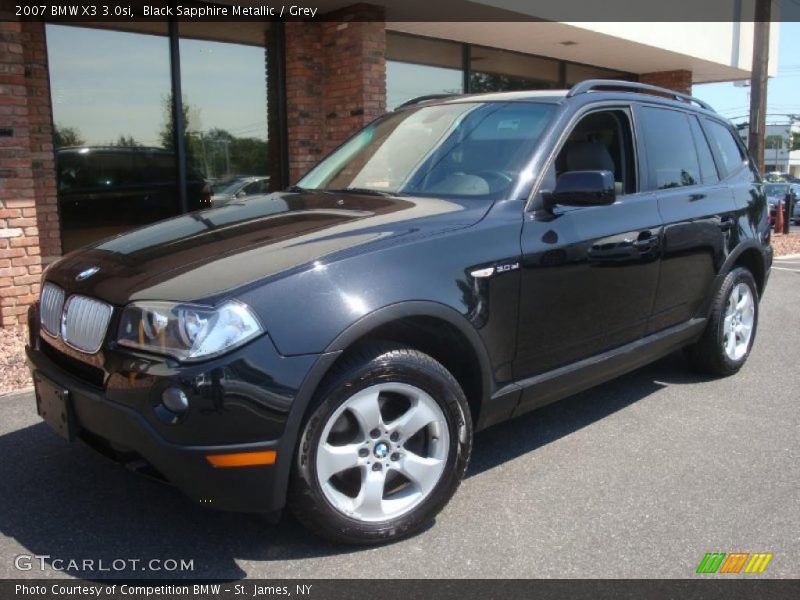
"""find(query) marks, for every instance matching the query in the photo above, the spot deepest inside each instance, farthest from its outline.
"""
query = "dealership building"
(109, 126)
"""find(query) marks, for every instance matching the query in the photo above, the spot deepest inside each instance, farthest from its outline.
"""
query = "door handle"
(646, 241)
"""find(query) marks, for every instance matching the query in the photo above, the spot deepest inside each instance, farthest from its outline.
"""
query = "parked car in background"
(796, 210)
(458, 262)
(781, 193)
(780, 177)
(105, 190)
(239, 187)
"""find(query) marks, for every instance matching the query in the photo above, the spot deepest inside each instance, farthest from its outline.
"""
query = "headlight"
(187, 331)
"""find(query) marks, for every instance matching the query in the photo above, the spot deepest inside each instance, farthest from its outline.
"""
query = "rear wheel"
(384, 449)
(731, 329)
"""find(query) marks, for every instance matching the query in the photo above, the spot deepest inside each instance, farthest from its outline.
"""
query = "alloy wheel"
(737, 326)
(382, 452)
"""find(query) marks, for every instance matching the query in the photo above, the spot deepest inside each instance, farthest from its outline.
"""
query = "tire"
(713, 353)
(421, 466)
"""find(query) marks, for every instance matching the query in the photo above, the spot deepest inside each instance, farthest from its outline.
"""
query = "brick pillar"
(40, 121)
(680, 81)
(23, 157)
(335, 81)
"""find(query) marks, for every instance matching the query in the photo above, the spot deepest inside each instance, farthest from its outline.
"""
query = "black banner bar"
(440, 589)
(87, 11)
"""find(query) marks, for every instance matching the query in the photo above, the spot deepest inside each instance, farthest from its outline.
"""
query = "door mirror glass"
(584, 188)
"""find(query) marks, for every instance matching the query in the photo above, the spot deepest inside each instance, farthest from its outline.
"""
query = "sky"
(783, 91)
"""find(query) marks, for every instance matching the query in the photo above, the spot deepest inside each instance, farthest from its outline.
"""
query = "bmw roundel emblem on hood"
(86, 273)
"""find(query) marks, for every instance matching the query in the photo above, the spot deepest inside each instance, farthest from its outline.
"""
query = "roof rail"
(425, 98)
(614, 84)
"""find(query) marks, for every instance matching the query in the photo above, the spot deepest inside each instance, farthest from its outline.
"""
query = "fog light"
(175, 400)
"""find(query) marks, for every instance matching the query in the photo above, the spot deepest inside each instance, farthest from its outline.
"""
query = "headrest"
(588, 156)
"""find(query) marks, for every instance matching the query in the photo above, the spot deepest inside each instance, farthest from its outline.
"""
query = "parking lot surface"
(639, 477)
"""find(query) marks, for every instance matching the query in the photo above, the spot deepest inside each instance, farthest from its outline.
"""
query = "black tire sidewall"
(413, 368)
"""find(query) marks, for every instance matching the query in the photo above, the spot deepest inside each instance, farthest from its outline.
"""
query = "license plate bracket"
(53, 405)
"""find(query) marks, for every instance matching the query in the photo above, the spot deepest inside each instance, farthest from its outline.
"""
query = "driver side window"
(601, 141)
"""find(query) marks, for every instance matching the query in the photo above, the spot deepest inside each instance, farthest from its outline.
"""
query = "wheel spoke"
(418, 415)
(335, 459)
(423, 472)
(366, 410)
(369, 501)
(744, 299)
(730, 344)
(727, 324)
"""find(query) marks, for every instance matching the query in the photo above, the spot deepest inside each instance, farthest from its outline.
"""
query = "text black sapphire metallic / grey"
(462, 260)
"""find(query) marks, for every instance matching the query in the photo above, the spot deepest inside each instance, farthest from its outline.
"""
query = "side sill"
(559, 383)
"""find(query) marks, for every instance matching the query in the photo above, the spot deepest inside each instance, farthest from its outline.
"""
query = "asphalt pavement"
(639, 477)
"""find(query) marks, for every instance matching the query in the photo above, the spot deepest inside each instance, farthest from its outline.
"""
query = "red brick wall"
(40, 121)
(336, 81)
(680, 81)
(26, 165)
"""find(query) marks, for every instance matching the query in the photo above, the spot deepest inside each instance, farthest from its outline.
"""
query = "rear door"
(698, 210)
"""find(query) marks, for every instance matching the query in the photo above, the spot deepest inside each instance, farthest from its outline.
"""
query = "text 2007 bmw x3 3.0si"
(460, 261)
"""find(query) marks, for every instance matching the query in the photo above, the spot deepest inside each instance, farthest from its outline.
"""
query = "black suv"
(458, 262)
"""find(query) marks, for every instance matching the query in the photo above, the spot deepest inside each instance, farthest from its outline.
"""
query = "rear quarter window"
(728, 149)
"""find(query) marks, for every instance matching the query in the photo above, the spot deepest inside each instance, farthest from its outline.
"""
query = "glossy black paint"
(578, 294)
(583, 188)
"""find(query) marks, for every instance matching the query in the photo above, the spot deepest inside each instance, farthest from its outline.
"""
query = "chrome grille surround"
(51, 306)
(84, 323)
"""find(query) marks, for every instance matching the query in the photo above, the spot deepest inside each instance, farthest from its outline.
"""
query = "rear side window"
(730, 152)
(671, 154)
(708, 172)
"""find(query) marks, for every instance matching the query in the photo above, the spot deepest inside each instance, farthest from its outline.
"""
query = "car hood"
(203, 255)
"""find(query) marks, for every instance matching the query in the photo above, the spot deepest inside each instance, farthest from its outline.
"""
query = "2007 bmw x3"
(456, 263)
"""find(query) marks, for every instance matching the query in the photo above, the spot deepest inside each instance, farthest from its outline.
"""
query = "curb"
(15, 393)
(788, 257)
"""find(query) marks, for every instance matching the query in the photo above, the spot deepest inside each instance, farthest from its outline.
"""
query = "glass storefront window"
(493, 70)
(115, 169)
(225, 112)
(418, 66)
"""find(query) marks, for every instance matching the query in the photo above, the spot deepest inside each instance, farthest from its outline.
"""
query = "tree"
(775, 142)
(490, 82)
(66, 136)
(128, 141)
(795, 141)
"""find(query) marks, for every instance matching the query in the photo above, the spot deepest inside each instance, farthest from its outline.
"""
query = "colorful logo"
(720, 562)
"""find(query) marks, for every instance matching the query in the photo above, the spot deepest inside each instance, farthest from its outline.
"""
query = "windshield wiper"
(358, 190)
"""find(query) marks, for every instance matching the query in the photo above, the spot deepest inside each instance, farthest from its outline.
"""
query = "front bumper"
(226, 400)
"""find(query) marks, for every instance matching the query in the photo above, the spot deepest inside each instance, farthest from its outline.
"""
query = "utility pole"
(758, 82)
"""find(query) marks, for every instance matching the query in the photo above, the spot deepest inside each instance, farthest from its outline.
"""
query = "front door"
(589, 274)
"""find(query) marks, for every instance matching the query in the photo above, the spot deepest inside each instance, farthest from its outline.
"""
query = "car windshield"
(776, 190)
(228, 187)
(464, 149)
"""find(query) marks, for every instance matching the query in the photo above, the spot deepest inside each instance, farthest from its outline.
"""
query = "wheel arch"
(749, 255)
(434, 329)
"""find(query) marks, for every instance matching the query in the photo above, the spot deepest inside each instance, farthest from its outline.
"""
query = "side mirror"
(241, 194)
(583, 188)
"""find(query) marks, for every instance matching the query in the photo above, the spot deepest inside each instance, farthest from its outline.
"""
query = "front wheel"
(731, 329)
(385, 448)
